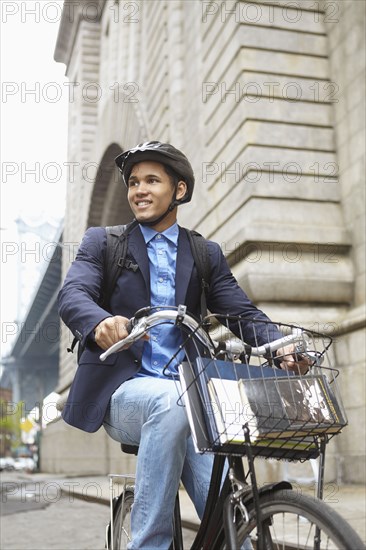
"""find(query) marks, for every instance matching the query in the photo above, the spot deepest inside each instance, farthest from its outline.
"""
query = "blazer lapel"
(184, 267)
(137, 249)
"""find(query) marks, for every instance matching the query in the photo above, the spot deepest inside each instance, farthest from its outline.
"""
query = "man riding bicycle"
(129, 394)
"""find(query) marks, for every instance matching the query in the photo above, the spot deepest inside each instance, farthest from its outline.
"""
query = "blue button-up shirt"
(164, 339)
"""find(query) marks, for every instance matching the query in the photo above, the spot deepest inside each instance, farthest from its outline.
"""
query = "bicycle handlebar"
(140, 325)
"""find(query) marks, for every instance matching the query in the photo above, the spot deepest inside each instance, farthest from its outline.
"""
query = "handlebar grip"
(140, 313)
(131, 323)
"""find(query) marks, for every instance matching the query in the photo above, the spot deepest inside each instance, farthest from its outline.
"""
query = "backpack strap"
(116, 258)
(115, 261)
(201, 259)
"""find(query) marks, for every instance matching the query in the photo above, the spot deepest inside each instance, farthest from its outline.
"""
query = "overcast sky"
(34, 106)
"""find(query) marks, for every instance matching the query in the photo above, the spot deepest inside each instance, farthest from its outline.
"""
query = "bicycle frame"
(229, 491)
(222, 502)
(222, 496)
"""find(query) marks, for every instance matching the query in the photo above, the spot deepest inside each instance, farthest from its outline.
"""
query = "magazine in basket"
(206, 369)
(273, 407)
(222, 410)
(200, 411)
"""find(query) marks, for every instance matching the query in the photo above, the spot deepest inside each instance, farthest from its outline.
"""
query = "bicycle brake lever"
(142, 312)
(137, 331)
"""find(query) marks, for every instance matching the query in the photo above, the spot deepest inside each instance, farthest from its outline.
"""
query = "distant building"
(6, 395)
(268, 101)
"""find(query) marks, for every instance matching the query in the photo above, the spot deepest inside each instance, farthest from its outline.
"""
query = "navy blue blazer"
(95, 381)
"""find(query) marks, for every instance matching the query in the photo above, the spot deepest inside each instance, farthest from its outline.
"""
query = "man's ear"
(181, 190)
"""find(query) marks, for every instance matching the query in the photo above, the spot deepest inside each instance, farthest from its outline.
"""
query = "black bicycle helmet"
(158, 152)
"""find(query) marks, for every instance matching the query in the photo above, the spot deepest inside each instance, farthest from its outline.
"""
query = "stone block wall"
(267, 100)
(345, 29)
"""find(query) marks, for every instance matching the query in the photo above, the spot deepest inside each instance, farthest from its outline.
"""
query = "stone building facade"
(267, 99)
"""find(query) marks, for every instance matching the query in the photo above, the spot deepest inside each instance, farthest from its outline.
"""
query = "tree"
(10, 433)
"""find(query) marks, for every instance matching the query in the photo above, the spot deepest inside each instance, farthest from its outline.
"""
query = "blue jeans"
(144, 412)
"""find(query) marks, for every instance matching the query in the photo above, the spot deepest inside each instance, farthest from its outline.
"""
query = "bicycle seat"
(129, 449)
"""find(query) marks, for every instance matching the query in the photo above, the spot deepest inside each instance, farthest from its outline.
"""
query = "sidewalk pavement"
(348, 500)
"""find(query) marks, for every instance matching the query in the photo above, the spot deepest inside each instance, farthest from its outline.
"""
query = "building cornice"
(72, 13)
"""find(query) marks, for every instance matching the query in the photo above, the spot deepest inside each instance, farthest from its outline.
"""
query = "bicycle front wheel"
(122, 520)
(291, 521)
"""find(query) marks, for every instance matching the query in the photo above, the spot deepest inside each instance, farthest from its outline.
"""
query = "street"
(55, 512)
(36, 516)
(43, 512)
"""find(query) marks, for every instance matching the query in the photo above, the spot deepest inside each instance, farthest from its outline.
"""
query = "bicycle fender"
(268, 488)
(275, 486)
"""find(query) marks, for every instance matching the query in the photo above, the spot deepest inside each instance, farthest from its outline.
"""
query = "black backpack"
(116, 260)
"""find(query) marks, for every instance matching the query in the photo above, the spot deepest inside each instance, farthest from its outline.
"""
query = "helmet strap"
(170, 208)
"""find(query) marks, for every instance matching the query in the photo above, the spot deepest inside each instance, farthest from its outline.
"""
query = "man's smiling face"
(150, 192)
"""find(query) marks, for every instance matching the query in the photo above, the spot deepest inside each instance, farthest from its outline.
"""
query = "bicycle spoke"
(122, 530)
(305, 524)
(126, 534)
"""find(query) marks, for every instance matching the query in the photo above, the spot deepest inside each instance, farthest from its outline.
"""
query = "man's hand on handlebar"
(111, 330)
(291, 360)
(111, 335)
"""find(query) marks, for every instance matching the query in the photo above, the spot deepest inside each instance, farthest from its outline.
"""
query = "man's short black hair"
(174, 177)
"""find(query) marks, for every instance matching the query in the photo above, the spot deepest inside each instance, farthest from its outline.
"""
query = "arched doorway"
(108, 203)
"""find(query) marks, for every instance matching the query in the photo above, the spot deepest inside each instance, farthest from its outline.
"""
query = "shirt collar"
(171, 234)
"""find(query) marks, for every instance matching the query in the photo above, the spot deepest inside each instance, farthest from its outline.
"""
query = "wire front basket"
(286, 412)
